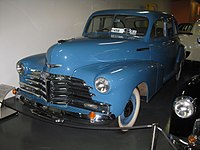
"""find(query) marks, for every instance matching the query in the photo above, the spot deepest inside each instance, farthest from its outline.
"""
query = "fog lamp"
(92, 115)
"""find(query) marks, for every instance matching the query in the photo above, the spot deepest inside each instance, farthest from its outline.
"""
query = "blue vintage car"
(124, 57)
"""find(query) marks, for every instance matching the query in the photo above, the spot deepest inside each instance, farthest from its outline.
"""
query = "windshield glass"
(119, 26)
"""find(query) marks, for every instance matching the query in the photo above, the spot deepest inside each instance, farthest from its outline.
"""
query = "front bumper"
(60, 115)
(61, 97)
(183, 142)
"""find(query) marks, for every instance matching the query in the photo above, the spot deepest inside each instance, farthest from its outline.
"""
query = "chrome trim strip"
(34, 94)
(24, 84)
(33, 87)
(53, 65)
(35, 72)
(33, 76)
(35, 82)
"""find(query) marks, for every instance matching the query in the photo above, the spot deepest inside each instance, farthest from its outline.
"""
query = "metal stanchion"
(166, 137)
(154, 137)
(5, 111)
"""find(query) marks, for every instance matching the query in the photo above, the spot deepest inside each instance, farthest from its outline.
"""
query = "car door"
(172, 42)
(161, 47)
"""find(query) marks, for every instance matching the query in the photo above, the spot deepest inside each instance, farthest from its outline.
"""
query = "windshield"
(119, 26)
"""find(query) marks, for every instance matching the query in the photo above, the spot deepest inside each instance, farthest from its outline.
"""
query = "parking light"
(192, 139)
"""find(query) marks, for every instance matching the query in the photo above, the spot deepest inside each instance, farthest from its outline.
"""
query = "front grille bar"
(34, 94)
(52, 87)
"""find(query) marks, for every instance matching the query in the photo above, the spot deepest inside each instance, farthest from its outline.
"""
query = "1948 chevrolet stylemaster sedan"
(123, 57)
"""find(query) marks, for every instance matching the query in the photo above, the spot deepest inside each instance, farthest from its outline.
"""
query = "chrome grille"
(56, 88)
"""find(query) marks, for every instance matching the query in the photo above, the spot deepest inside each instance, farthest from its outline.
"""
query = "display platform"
(28, 132)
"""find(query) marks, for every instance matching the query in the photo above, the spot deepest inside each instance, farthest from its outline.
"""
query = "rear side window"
(171, 27)
(158, 29)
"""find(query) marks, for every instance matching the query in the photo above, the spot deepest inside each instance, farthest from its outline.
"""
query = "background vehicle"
(191, 41)
(124, 56)
(185, 119)
(185, 28)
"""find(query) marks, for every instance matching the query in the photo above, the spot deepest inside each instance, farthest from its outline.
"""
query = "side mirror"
(198, 40)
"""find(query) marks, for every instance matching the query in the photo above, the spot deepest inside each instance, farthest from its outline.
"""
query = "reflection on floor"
(25, 133)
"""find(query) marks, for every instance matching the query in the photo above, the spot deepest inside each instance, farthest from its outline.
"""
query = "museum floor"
(23, 132)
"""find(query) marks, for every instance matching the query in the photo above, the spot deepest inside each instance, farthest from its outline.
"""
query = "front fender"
(35, 62)
(123, 77)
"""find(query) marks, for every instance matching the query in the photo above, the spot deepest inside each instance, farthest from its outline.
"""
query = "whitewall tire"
(131, 110)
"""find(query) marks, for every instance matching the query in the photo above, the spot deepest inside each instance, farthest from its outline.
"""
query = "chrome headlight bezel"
(184, 107)
(102, 85)
(20, 68)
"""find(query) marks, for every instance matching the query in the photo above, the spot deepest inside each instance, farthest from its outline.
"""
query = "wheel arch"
(143, 90)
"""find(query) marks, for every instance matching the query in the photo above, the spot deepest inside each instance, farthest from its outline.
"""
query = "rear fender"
(181, 54)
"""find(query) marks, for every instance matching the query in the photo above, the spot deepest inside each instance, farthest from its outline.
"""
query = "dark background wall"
(185, 10)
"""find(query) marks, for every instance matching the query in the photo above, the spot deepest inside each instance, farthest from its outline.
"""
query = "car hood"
(66, 56)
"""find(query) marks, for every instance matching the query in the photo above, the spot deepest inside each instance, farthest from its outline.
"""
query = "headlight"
(184, 107)
(20, 68)
(102, 85)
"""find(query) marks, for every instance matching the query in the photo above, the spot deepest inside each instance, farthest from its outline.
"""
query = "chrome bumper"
(61, 116)
(183, 143)
(180, 143)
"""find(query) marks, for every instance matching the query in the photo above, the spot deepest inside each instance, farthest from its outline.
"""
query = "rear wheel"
(131, 110)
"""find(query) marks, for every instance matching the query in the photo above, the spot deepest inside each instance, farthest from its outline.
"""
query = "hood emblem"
(44, 75)
(53, 65)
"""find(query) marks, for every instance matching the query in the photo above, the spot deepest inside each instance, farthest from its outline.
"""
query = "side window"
(175, 27)
(99, 23)
(170, 31)
(158, 29)
(171, 27)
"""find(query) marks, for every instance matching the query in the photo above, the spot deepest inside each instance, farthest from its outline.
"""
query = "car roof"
(152, 15)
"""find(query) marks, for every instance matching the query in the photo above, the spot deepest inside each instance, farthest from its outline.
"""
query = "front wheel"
(131, 110)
